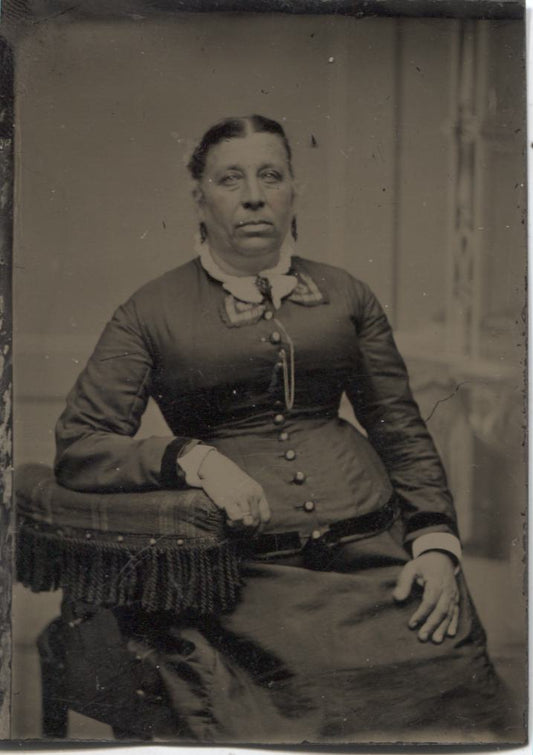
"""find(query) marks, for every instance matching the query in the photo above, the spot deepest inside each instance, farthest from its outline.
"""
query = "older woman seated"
(353, 622)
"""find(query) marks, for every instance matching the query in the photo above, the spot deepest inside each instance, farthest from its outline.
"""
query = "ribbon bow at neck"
(274, 283)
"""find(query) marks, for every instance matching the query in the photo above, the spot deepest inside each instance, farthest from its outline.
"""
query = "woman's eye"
(229, 180)
(271, 176)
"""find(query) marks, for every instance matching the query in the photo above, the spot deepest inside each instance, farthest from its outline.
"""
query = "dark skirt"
(316, 651)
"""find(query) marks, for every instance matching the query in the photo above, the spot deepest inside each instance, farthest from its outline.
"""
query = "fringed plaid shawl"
(163, 550)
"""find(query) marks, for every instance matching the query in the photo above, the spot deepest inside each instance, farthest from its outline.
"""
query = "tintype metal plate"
(407, 124)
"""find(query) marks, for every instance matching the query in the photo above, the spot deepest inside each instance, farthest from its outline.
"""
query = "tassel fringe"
(200, 575)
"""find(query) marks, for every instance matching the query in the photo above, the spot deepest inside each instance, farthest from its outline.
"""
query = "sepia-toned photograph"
(269, 352)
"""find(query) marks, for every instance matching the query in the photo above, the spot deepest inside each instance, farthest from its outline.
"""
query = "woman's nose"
(252, 196)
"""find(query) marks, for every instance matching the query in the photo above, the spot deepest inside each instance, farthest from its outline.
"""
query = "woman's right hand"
(231, 489)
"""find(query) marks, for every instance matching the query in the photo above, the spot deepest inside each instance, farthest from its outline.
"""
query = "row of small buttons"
(299, 477)
(275, 336)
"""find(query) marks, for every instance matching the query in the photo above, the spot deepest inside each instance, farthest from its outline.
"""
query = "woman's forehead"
(247, 151)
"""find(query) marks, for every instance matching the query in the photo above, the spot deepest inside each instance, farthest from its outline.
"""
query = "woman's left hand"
(438, 614)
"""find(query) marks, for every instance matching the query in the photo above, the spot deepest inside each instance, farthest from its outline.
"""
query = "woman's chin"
(256, 249)
(258, 244)
(248, 256)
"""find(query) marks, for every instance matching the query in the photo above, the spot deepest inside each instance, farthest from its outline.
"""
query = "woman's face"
(245, 198)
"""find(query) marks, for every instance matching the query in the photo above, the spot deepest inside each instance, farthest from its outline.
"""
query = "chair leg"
(54, 700)
(54, 708)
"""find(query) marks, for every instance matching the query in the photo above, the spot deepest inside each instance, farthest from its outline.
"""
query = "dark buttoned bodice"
(222, 382)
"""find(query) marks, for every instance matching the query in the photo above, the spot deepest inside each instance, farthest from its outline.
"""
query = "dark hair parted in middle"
(233, 128)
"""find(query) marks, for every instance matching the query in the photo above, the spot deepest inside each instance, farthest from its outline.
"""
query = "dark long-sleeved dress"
(316, 649)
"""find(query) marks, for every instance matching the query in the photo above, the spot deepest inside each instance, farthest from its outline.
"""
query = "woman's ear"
(199, 200)
(296, 186)
(197, 194)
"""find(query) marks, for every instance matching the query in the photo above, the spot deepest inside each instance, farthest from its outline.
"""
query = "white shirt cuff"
(191, 462)
(441, 541)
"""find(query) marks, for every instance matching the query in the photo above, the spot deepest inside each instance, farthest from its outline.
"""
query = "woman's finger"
(240, 512)
(454, 623)
(235, 510)
(264, 510)
(442, 630)
(405, 582)
(430, 598)
(249, 517)
(437, 616)
(259, 508)
(245, 522)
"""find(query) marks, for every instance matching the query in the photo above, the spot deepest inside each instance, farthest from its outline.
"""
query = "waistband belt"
(292, 542)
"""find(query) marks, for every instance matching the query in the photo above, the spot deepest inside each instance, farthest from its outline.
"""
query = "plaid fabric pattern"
(189, 514)
(236, 313)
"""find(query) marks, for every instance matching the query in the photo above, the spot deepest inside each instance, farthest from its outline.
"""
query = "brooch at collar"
(236, 313)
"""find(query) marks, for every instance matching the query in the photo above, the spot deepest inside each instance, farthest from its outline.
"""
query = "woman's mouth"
(245, 223)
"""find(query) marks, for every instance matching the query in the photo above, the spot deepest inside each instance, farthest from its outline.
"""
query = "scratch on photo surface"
(446, 398)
